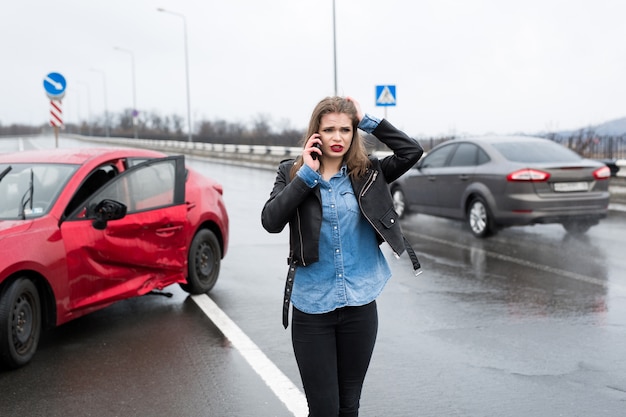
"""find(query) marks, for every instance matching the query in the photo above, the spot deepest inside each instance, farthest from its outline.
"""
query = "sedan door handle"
(431, 178)
(464, 177)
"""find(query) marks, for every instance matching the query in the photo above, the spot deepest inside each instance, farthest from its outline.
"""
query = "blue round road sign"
(54, 84)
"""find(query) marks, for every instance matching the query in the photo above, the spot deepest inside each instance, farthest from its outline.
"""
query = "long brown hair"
(356, 158)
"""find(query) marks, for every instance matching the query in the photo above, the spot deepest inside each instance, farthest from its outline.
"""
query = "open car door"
(128, 237)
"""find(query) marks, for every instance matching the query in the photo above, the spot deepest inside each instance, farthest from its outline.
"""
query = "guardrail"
(251, 155)
(254, 155)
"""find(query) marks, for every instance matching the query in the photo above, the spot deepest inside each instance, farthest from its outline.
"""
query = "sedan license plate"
(568, 187)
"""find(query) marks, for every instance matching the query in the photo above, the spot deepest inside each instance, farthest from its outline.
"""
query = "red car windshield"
(28, 190)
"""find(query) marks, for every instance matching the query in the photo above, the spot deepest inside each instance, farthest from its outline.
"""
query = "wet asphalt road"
(531, 322)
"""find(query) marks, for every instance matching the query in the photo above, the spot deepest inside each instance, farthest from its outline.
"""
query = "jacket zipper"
(369, 183)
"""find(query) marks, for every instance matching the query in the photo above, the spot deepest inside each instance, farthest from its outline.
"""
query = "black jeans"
(333, 351)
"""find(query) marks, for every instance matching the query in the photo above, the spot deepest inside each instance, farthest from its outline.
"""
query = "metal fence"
(596, 147)
(612, 152)
(587, 145)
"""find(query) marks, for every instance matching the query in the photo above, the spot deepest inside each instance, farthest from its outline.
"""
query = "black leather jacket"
(293, 202)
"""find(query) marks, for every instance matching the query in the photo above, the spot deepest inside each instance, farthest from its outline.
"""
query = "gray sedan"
(501, 181)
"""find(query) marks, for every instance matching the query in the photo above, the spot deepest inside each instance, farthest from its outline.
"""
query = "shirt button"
(337, 250)
(332, 206)
(393, 221)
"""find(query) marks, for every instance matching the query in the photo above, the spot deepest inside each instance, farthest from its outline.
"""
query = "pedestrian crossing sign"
(385, 95)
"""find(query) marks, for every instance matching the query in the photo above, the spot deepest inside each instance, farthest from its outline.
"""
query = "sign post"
(55, 85)
(385, 96)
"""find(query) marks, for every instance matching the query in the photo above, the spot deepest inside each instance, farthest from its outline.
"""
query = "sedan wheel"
(479, 218)
(399, 202)
(20, 323)
(204, 261)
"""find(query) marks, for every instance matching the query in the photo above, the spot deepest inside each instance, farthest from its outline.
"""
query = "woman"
(339, 208)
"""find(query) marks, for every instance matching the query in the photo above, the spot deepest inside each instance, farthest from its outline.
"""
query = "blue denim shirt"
(352, 270)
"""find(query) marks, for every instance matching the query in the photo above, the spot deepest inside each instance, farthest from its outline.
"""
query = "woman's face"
(336, 134)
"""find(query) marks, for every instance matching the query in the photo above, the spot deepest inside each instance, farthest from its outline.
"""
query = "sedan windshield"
(540, 151)
(28, 190)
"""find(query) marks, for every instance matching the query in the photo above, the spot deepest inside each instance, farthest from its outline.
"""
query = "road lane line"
(522, 262)
(283, 388)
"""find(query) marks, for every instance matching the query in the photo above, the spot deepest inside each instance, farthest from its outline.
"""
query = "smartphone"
(314, 155)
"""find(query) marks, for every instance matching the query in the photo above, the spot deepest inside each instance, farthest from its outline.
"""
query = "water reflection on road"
(541, 269)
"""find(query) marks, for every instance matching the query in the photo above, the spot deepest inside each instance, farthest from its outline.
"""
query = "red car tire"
(20, 323)
(204, 260)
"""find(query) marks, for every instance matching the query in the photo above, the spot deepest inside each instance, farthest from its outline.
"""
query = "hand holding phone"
(314, 155)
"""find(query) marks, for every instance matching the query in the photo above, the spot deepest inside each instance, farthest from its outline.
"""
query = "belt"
(417, 268)
(288, 287)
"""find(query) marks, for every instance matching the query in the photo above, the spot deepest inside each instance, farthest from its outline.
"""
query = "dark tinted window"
(483, 158)
(543, 151)
(438, 157)
(465, 155)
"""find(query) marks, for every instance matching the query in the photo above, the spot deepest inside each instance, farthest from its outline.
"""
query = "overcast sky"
(459, 66)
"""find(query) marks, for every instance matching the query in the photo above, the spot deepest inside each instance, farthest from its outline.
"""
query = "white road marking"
(283, 388)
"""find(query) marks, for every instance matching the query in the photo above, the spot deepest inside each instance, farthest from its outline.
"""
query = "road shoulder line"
(278, 382)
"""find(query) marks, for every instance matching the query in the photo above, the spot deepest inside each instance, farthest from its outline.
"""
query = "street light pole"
(106, 105)
(135, 113)
(186, 67)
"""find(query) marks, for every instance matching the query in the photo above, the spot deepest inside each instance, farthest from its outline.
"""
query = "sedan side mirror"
(107, 210)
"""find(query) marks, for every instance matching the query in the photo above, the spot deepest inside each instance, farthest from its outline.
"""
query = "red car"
(83, 228)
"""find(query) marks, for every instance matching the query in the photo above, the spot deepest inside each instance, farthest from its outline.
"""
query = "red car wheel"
(20, 323)
(204, 259)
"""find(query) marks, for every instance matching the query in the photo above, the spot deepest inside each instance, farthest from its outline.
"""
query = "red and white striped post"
(55, 84)
(56, 119)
